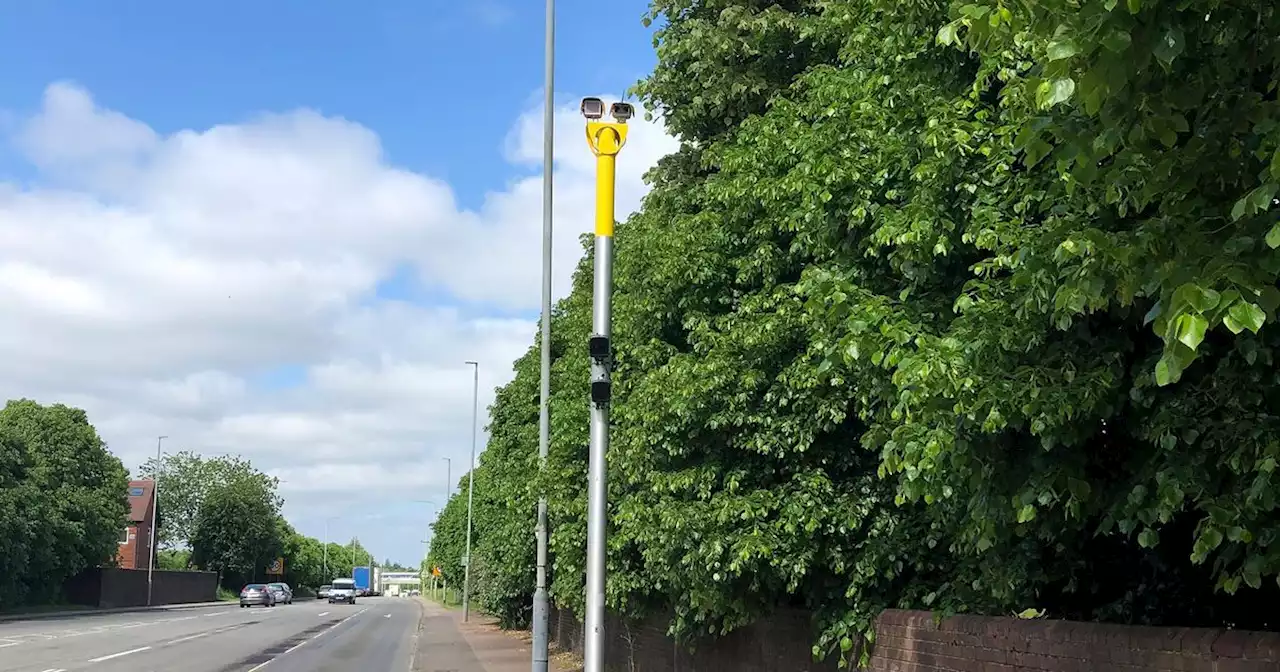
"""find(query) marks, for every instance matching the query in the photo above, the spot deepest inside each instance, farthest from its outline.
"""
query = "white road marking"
(55, 669)
(324, 613)
(6, 644)
(306, 641)
(218, 613)
(387, 616)
(188, 638)
(140, 649)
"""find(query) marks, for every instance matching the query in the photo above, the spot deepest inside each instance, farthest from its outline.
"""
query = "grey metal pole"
(597, 484)
(155, 515)
(541, 603)
(471, 487)
(606, 141)
(326, 549)
(448, 481)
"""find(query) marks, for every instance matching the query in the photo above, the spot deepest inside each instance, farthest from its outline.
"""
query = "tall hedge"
(954, 305)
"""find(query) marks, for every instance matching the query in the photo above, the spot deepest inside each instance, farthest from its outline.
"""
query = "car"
(282, 591)
(257, 593)
(343, 590)
(323, 592)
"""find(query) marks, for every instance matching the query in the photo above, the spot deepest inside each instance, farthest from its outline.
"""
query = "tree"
(186, 478)
(237, 532)
(954, 305)
(62, 499)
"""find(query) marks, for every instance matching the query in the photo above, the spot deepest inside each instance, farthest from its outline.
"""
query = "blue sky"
(440, 83)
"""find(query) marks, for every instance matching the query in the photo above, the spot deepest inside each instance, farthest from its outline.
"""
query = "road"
(374, 635)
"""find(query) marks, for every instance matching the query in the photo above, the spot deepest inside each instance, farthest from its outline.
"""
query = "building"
(393, 583)
(135, 539)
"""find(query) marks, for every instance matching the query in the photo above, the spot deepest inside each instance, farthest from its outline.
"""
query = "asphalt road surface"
(374, 635)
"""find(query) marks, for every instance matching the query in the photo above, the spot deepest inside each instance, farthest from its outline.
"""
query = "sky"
(279, 229)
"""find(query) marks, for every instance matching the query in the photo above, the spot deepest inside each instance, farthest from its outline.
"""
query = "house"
(135, 539)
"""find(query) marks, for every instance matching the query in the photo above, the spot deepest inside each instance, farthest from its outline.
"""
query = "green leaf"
(1027, 513)
(1148, 538)
(947, 34)
(1247, 315)
(1167, 371)
(845, 644)
(1170, 45)
(1211, 538)
(1061, 49)
(1260, 199)
(1135, 6)
(1058, 91)
(1238, 210)
(1191, 329)
(1273, 236)
(1117, 40)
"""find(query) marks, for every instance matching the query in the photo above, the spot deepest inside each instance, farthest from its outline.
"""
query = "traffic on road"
(310, 636)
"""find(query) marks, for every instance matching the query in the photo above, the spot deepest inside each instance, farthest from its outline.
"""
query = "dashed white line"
(6, 644)
(218, 613)
(387, 616)
(324, 613)
(306, 641)
(55, 669)
(188, 638)
(99, 659)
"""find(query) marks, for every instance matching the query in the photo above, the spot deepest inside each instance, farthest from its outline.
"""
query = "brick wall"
(135, 553)
(911, 641)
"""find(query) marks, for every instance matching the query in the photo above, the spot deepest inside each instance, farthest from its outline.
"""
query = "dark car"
(257, 593)
(282, 591)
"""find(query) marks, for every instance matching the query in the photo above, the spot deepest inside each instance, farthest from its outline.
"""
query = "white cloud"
(161, 282)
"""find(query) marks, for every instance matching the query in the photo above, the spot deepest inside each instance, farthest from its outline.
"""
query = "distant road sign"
(435, 571)
(277, 567)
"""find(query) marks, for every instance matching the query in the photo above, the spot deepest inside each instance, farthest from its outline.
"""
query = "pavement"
(449, 644)
(374, 635)
(76, 612)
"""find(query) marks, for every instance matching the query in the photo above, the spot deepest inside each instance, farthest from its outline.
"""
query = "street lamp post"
(326, 547)
(471, 487)
(155, 515)
(423, 570)
(541, 605)
(606, 140)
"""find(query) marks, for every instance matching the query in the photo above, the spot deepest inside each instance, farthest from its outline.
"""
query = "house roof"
(139, 500)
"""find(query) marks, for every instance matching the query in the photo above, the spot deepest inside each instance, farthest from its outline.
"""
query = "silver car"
(323, 592)
(282, 592)
(257, 593)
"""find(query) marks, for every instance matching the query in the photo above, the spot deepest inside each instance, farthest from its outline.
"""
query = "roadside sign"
(435, 571)
(277, 567)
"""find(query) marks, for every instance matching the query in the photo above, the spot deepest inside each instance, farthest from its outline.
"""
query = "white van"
(343, 590)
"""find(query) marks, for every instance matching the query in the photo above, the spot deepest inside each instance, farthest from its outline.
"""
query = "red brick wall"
(911, 641)
(134, 554)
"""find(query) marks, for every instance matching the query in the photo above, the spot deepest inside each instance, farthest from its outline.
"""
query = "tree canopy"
(62, 499)
(187, 478)
(956, 305)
